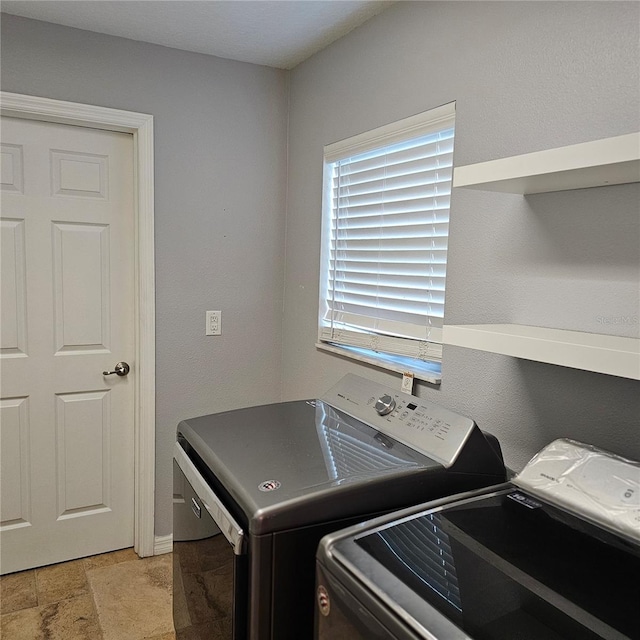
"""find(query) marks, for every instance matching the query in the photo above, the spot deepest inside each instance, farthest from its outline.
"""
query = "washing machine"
(255, 489)
(552, 555)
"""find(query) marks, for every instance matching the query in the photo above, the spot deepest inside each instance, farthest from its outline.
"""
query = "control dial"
(385, 404)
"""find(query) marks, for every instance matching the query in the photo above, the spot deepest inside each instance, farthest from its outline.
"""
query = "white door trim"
(141, 126)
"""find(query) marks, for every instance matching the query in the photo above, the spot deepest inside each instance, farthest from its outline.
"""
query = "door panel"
(11, 172)
(15, 495)
(67, 240)
(81, 286)
(83, 452)
(13, 286)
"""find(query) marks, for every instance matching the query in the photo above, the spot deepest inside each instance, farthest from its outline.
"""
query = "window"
(385, 231)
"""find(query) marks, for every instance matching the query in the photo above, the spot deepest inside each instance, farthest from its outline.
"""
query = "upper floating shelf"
(613, 355)
(589, 164)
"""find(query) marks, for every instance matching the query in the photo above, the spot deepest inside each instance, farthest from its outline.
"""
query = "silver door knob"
(121, 369)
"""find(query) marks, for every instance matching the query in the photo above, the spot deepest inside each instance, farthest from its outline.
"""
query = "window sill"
(426, 371)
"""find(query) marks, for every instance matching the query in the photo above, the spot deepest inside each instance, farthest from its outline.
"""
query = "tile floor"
(113, 596)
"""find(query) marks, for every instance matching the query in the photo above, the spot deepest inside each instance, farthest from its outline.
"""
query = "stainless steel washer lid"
(296, 463)
(496, 566)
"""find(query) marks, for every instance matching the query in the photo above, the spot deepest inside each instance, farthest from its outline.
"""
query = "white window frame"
(423, 357)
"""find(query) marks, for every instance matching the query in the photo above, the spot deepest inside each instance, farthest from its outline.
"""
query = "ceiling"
(275, 33)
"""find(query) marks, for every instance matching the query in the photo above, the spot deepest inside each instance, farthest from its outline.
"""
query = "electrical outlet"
(214, 323)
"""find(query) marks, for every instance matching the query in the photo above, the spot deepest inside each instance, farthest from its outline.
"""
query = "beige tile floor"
(114, 596)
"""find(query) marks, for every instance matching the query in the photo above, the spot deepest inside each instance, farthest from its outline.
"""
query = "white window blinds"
(385, 231)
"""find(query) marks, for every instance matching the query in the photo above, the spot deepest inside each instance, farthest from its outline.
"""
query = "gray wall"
(525, 76)
(220, 171)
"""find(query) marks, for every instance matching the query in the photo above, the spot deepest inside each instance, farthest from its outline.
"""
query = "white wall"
(220, 159)
(525, 76)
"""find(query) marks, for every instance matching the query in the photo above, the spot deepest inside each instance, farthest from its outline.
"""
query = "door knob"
(121, 369)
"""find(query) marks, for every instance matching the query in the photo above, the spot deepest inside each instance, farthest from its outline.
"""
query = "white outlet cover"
(213, 325)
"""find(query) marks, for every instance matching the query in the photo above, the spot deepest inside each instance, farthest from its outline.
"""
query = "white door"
(67, 315)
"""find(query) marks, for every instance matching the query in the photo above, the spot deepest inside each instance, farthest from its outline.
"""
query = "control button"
(385, 404)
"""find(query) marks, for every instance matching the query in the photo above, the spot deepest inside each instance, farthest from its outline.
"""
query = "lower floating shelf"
(613, 355)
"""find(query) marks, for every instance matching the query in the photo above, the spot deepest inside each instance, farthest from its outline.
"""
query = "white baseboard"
(163, 544)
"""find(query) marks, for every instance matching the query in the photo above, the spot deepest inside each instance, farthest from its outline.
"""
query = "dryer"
(256, 489)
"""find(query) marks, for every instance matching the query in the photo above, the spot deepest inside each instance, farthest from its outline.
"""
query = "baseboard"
(163, 544)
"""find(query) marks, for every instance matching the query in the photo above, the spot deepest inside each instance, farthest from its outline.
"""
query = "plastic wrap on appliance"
(580, 478)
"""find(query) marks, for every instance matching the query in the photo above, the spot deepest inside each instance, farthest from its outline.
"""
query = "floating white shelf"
(612, 355)
(590, 164)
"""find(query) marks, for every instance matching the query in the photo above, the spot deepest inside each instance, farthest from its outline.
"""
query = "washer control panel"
(424, 426)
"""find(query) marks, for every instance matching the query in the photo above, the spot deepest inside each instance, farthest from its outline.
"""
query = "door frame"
(140, 125)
